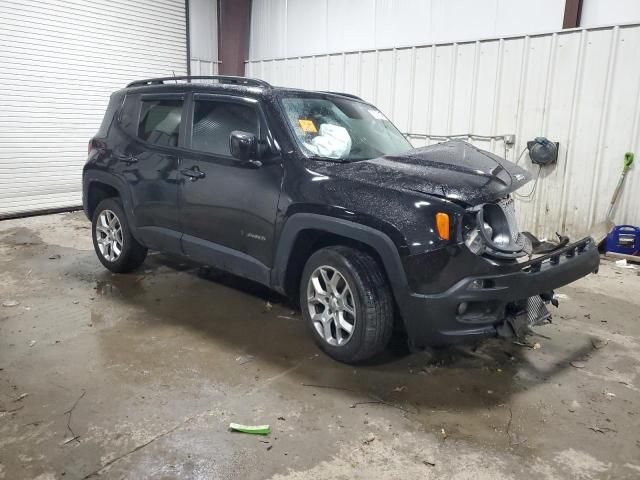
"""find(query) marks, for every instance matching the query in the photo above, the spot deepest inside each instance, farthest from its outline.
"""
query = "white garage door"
(59, 62)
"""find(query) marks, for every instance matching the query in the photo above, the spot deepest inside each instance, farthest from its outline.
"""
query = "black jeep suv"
(317, 195)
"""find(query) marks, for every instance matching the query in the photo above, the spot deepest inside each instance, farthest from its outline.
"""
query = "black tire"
(132, 254)
(372, 299)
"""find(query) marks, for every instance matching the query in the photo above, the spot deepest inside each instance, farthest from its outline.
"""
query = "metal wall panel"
(285, 28)
(203, 21)
(268, 28)
(609, 12)
(59, 62)
(204, 67)
(203, 34)
(578, 87)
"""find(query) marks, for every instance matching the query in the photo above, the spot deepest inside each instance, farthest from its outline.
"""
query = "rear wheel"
(346, 303)
(116, 248)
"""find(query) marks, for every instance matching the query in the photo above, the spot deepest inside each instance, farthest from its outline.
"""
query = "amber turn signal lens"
(442, 223)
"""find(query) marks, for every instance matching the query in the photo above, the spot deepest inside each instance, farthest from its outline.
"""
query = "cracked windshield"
(341, 129)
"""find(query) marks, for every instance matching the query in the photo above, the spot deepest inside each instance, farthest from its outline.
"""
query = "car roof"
(219, 84)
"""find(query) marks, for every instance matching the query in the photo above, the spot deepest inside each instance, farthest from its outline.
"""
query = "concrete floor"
(138, 376)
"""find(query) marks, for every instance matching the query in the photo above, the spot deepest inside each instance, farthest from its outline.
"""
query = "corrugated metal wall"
(203, 32)
(283, 28)
(59, 62)
(596, 13)
(579, 87)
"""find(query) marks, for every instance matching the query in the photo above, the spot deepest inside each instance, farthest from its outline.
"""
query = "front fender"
(408, 217)
(378, 241)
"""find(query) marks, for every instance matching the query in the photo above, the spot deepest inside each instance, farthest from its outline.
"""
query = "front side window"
(160, 122)
(342, 129)
(214, 120)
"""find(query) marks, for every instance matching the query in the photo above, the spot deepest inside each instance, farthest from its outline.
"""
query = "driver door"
(227, 207)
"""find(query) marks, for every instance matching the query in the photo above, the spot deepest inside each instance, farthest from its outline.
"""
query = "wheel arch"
(304, 233)
(97, 192)
(97, 186)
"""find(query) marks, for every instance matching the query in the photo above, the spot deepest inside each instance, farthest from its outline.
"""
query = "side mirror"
(243, 145)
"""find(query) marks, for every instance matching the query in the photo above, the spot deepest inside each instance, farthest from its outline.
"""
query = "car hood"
(455, 170)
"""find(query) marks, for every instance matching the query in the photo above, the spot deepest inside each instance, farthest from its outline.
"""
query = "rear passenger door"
(148, 162)
(228, 208)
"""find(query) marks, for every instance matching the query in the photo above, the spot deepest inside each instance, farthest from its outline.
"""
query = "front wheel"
(346, 303)
(116, 248)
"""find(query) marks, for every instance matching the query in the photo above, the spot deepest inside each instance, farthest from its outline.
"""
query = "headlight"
(501, 239)
(490, 229)
(474, 241)
(500, 233)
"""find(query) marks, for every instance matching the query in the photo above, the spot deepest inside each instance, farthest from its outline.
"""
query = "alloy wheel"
(109, 236)
(331, 305)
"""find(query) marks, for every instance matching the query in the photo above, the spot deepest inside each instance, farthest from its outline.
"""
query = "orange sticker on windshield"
(307, 126)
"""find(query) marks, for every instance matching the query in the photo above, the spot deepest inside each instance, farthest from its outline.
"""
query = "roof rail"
(227, 79)
(342, 94)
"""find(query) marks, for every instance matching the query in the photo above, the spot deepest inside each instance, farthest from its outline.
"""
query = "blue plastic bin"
(624, 239)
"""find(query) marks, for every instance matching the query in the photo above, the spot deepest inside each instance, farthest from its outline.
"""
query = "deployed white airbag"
(332, 141)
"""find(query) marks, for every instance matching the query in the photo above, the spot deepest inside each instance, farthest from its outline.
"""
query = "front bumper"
(437, 319)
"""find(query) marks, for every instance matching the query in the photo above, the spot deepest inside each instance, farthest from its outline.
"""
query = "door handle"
(128, 159)
(193, 173)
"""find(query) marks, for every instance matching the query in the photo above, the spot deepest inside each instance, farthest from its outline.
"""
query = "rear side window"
(160, 122)
(214, 120)
(129, 114)
(114, 103)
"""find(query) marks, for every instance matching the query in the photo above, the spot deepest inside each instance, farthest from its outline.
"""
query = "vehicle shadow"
(234, 314)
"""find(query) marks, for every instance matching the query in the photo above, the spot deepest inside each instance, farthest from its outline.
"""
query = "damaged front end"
(490, 230)
(487, 295)
(488, 278)
(523, 314)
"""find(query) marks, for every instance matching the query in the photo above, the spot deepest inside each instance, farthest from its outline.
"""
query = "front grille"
(508, 206)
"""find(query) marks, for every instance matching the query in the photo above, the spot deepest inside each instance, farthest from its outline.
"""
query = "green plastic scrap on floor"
(253, 429)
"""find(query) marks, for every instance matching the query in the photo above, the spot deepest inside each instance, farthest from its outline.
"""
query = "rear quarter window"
(129, 115)
(114, 104)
